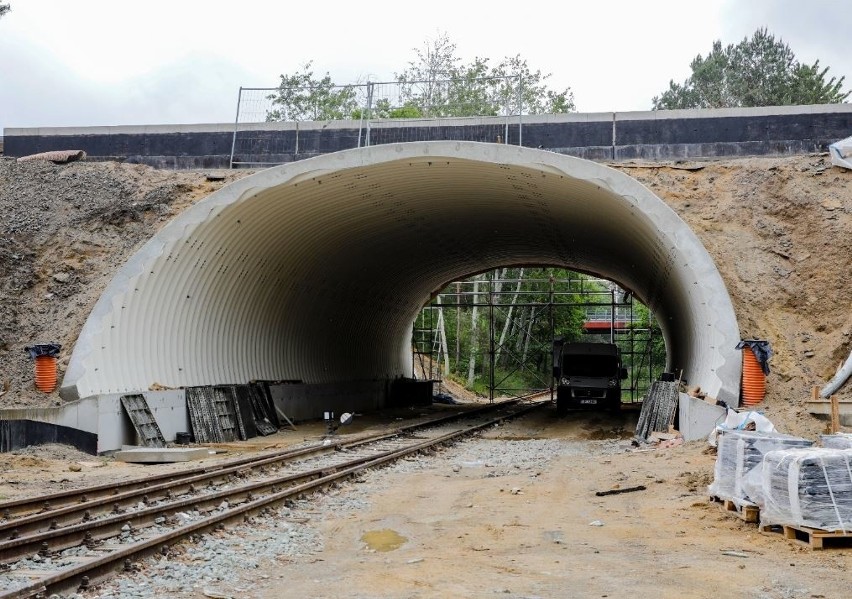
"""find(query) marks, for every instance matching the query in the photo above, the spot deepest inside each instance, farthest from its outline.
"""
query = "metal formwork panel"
(143, 420)
(265, 419)
(202, 417)
(225, 409)
(245, 412)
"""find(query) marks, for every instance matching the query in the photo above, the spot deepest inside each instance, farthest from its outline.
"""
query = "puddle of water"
(383, 540)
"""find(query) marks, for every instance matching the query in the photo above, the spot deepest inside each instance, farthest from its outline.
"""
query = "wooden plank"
(815, 538)
(747, 512)
(835, 415)
(822, 407)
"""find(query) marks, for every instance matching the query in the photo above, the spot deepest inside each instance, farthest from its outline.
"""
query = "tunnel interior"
(315, 270)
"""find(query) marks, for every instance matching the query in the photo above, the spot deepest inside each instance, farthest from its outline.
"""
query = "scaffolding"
(530, 308)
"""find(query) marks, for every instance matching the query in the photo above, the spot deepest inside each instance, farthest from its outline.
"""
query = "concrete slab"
(697, 418)
(160, 455)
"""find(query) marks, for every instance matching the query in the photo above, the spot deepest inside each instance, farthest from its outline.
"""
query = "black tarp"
(761, 349)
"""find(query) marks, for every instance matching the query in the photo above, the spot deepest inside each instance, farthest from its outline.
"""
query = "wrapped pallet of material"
(809, 488)
(837, 441)
(739, 454)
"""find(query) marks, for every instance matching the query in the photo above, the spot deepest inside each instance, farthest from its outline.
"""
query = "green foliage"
(523, 360)
(441, 85)
(645, 322)
(760, 71)
(303, 97)
(435, 84)
(384, 110)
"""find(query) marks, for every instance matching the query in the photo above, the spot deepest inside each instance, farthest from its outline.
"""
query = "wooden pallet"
(813, 537)
(748, 513)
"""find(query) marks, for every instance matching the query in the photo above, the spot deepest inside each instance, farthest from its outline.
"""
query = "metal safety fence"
(282, 124)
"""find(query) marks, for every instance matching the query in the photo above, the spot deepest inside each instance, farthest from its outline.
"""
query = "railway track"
(67, 541)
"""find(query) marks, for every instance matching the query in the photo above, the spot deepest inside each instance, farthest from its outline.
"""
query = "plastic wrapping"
(837, 441)
(808, 487)
(739, 421)
(43, 349)
(736, 476)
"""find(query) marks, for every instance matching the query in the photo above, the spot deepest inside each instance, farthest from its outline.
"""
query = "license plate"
(589, 401)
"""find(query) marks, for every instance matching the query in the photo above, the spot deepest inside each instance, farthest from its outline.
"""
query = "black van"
(588, 376)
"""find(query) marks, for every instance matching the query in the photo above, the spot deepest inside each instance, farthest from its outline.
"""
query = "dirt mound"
(65, 230)
(778, 231)
(775, 226)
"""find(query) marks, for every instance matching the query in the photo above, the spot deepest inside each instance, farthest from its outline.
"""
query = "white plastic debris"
(841, 153)
(740, 421)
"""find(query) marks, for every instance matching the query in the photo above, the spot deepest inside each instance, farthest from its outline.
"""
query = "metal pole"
(491, 338)
(236, 124)
(650, 347)
(458, 324)
(552, 331)
(613, 136)
(612, 316)
(507, 110)
(520, 110)
(369, 111)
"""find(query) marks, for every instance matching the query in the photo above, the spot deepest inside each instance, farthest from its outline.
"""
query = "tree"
(4, 8)
(302, 97)
(760, 71)
(437, 83)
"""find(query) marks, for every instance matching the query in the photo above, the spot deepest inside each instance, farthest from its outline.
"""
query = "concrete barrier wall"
(652, 135)
(103, 417)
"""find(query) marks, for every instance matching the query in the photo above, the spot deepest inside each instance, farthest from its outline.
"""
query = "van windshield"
(590, 366)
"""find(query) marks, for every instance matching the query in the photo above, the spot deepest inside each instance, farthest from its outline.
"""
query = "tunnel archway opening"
(273, 275)
(495, 333)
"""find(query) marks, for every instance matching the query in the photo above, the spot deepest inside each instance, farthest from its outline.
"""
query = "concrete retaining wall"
(98, 424)
(102, 416)
(308, 402)
(652, 135)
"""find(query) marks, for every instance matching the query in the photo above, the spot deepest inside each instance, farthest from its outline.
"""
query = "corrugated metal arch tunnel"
(316, 270)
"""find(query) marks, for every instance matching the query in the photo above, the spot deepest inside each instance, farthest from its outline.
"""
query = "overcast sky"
(107, 62)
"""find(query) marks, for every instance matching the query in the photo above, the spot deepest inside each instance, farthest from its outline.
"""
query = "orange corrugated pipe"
(44, 355)
(754, 379)
(45, 373)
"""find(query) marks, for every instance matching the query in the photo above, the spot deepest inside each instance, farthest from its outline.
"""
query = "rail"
(108, 540)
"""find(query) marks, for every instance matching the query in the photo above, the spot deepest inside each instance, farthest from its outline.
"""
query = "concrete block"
(697, 418)
(161, 455)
